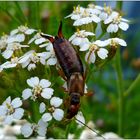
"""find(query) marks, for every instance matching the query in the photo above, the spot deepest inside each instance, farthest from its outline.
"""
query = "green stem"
(120, 93)
(132, 86)
(119, 73)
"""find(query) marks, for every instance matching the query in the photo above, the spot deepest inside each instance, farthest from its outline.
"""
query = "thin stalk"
(119, 73)
(132, 86)
(120, 93)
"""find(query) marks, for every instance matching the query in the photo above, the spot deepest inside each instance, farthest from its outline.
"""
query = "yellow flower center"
(10, 108)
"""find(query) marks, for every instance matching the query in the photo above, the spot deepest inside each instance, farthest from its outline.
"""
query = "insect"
(72, 67)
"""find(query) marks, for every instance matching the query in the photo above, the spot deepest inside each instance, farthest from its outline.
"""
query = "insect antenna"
(90, 129)
(60, 34)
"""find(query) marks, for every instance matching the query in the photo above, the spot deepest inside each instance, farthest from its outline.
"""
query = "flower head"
(115, 22)
(31, 58)
(55, 112)
(38, 88)
(40, 128)
(79, 38)
(11, 110)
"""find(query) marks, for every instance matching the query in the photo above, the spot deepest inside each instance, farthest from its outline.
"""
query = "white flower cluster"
(111, 20)
(96, 14)
(20, 48)
(11, 110)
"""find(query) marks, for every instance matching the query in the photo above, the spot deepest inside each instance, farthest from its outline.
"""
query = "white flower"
(10, 64)
(51, 60)
(41, 129)
(37, 39)
(85, 18)
(79, 38)
(76, 13)
(94, 9)
(96, 47)
(81, 118)
(56, 112)
(115, 42)
(110, 135)
(22, 29)
(87, 133)
(38, 88)
(106, 11)
(10, 110)
(31, 58)
(115, 22)
(11, 48)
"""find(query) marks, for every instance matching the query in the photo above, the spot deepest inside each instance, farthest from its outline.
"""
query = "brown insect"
(72, 67)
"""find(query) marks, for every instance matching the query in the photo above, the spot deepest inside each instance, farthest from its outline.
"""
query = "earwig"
(72, 67)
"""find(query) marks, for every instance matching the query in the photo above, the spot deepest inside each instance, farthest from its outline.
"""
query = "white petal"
(3, 110)
(20, 37)
(29, 31)
(122, 42)
(95, 19)
(42, 131)
(33, 81)
(80, 117)
(26, 93)
(72, 37)
(18, 114)
(51, 61)
(77, 41)
(26, 130)
(46, 117)
(7, 54)
(8, 119)
(23, 59)
(92, 57)
(42, 107)
(47, 93)
(8, 100)
(44, 83)
(41, 123)
(31, 66)
(124, 26)
(56, 101)
(103, 16)
(40, 40)
(84, 47)
(101, 43)
(16, 102)
(102, 53)
(58, 114)
(13, 32)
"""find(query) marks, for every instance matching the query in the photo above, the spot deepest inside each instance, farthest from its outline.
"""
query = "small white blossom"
(31, 58)
(115, 42)
(76, 13)
(94, 9)
(115, 22)
(37, 39)
(85, 18)
(56, 112)
(89, 134)
(40, 128)
(106, 11)
(11, 48)
(79, 38)
(11, 110)
(22, 29)
(96, 47)
(110, 135)
(38, 88)
(10, 64)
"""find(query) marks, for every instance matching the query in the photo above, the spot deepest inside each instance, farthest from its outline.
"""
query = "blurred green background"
(103, 107)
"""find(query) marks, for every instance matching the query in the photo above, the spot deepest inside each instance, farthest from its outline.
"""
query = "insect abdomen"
(67, 57)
